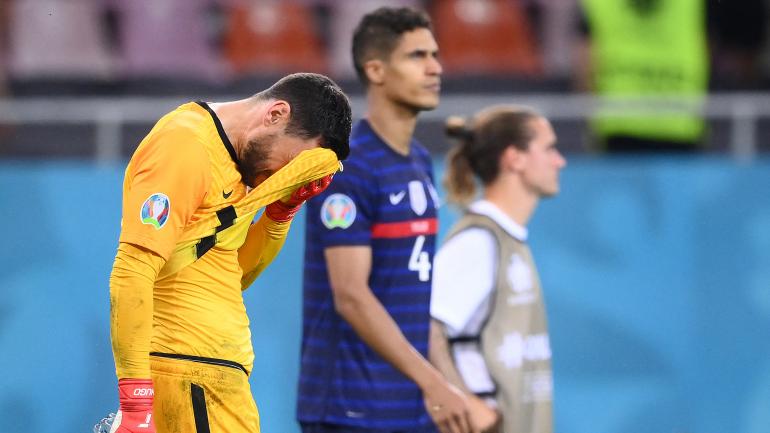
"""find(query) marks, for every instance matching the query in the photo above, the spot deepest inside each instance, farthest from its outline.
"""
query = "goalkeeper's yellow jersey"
(183, 171)
(184, 200)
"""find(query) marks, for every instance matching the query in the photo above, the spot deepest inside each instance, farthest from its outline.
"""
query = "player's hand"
(283, 211)
(448, 407)
(485, 418)
(135, 414)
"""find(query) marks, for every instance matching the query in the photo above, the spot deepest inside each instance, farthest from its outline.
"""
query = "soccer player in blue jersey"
(370, 241)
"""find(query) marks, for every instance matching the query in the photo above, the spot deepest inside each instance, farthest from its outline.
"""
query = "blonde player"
(489, 333)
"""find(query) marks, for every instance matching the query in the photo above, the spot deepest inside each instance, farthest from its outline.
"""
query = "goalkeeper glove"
(281, 212)
(105, 425)
(135, 414)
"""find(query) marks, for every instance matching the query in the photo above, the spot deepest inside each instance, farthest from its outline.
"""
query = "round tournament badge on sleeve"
(338, 210)
(155, 210)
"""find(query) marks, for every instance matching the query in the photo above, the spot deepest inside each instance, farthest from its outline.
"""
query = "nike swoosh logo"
(227, 194)
(397, 197)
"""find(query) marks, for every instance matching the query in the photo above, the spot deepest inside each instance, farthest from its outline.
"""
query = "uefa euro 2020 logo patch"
(155, 210)
(338, 210)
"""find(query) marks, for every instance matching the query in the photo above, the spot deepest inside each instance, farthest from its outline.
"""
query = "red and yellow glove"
(135, 414)
(281, 212)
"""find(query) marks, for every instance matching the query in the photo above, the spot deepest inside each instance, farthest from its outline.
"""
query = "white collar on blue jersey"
(487, 208)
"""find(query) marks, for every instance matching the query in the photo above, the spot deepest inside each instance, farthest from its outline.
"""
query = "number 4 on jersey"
(419, 261)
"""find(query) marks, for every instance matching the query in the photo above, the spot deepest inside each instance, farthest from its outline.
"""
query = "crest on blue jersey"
(434, 195)
(155, 210)
(417, 198)
(338, 210)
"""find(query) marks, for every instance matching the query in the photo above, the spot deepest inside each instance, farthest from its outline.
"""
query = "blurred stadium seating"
(272, 37)
(487, 37)
(86, 78)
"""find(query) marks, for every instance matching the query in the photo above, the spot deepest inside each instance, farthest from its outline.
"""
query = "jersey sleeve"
(165, 182)
(131, 283)
(263, 242)
(463, 278)
(347, 208)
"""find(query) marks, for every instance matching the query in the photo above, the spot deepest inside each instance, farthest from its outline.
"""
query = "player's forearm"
(483, 416)
(440, 356)
(263, 242)
(378, 330)
(131, 284)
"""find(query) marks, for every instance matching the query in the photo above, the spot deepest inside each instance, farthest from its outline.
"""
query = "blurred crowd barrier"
(110, 128)
(654, 269)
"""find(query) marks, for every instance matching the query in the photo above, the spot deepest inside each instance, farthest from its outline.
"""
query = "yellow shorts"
(197, 397)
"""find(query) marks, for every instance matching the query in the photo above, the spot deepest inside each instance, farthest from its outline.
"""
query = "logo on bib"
(155, 210)
(521, 281)
(338, 211)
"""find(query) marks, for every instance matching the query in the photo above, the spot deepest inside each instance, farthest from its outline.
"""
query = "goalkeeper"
(188, 248)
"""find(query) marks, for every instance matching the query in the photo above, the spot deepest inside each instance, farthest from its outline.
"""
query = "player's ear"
(375, 71)
(277, 112)
(512, 159)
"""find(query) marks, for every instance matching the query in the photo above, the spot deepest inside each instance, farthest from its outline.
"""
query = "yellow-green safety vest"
(649, 49)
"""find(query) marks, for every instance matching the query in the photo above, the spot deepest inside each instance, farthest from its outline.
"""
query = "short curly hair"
(318, 108)
(378, 33)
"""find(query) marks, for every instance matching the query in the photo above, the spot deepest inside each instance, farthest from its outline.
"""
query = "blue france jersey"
(386, 201)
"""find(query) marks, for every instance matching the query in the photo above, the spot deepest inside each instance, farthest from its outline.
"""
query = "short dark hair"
(318, 108)
(379, 31)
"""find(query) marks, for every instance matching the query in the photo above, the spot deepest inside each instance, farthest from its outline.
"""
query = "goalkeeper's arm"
(266, 238)
(131, 284)
(263, 242)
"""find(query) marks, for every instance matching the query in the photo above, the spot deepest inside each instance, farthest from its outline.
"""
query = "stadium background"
(656, 268)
